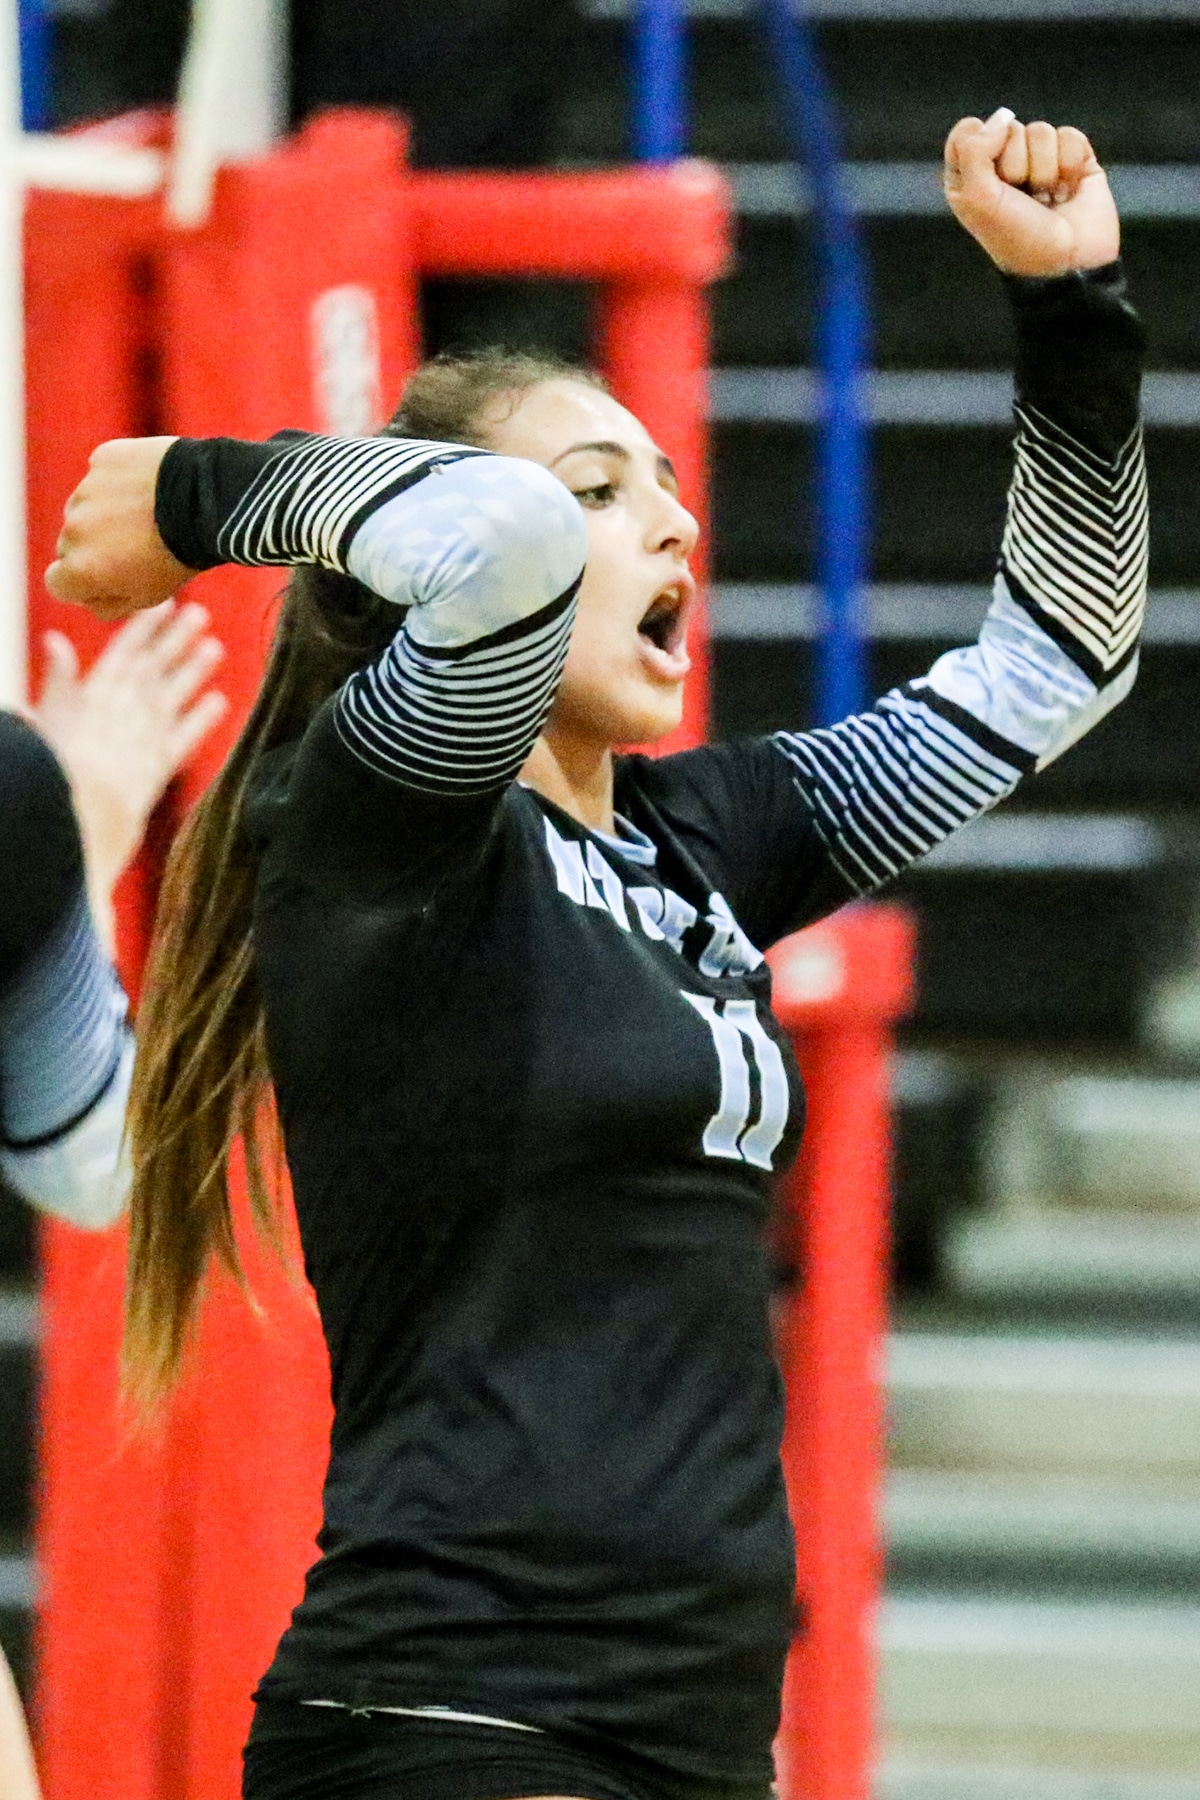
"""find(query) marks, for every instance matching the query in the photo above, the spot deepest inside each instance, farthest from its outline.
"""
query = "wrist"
(1080, 347)
(199, 486)
(1069, 288)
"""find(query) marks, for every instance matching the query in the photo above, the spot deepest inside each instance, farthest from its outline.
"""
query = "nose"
(672, 526)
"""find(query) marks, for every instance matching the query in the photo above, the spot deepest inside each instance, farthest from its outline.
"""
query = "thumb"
(973, 149)
(62, 667)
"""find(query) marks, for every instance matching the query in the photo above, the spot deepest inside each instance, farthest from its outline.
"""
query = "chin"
(648, 729)
(661, 725)
(640, 715)
(645, 715)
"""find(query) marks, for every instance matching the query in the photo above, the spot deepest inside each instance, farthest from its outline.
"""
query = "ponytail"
(201, 1080)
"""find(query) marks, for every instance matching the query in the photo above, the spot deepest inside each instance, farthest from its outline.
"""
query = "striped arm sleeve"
(1058, 649)
(488, 555)
(66, 1055)
(485, 554)
(83, 1175)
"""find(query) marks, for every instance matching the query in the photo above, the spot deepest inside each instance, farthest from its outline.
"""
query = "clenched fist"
(110, 556)
(1033, 195)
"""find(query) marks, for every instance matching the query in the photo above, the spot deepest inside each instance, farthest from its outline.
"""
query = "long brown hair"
(202, 1081)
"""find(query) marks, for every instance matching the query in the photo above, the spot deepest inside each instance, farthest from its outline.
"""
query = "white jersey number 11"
(742, 1044)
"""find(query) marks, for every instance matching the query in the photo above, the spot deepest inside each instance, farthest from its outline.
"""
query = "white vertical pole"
(232, 96)
(13, 596)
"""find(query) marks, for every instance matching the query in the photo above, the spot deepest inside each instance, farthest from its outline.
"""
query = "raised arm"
(484, 554)
(1058, 649)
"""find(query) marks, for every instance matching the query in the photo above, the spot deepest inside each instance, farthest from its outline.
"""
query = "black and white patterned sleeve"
(485, 554)
(1059, 647)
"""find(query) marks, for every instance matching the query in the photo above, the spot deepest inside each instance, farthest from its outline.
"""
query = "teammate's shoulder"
(41, 859)
(28, 765)
(37, 819)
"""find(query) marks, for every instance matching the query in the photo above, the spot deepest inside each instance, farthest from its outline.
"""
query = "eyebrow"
(608, 447)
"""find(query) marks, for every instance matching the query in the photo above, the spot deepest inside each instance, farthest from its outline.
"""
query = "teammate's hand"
(1034, 196)
(122, 730)
(110, 556)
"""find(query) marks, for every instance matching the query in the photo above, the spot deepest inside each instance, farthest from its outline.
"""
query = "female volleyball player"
(517, 1017)
(77, 784)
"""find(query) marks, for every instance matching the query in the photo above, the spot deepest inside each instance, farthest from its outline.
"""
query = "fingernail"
(1062, 193)
(1002, 115)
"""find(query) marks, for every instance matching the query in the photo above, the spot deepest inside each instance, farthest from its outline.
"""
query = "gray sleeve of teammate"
(66, 1052)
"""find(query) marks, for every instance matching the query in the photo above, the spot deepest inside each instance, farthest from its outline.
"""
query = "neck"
(576, 776)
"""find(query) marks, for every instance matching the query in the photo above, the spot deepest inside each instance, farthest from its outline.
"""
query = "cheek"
(601, 629)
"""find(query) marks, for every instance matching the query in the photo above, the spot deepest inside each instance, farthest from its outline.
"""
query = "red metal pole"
(839, 988)
(653, 346)
(644, 224)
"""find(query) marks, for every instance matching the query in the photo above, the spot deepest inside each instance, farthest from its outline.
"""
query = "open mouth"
(664, 619)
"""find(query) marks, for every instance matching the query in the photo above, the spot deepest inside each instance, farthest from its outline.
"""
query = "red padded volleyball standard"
(839, 988)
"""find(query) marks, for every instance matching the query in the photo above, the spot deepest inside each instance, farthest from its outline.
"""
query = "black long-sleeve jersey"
(533, 1095)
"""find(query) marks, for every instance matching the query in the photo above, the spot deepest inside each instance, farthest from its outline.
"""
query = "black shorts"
(301, 1752)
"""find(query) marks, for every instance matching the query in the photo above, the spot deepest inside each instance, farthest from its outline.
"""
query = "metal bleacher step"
(1098, 1685)
(901, 1779)
(1003, 1531)
(929, 11)
(926, 611)
(1043, 1527)
(1043, 927)
(1091, 1180)
(920, 397)
(1110, 1264)
(18, 1581)
(895, 190)
(1044, 1403)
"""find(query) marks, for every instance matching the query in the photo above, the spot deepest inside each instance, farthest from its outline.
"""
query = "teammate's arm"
(74, 801)
(1059, 646)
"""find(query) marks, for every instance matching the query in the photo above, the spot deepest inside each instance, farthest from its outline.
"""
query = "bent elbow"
(552, 524)
(478, 544)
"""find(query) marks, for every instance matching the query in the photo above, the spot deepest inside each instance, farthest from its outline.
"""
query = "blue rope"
(34, 29)
(659, 82)
(842, 349)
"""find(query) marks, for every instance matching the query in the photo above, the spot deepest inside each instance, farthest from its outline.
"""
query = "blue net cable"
(33, 21)
(659, 81)
(843, 329)
(843, 335)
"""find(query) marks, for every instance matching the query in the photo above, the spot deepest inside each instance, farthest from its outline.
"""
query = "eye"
(603, 494)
